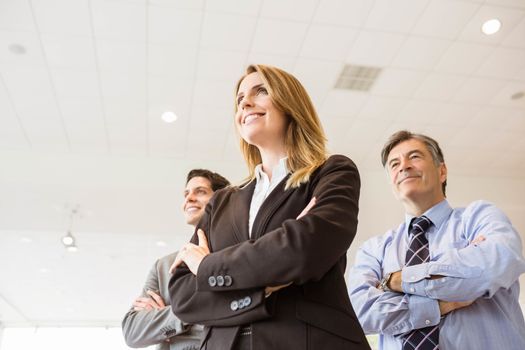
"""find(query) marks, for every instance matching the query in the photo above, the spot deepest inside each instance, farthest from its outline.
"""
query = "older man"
(445, 278)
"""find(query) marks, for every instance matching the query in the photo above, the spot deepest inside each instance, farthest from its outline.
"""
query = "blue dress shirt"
(486, 272)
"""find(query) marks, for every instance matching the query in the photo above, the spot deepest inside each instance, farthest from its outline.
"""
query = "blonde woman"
(265, 269)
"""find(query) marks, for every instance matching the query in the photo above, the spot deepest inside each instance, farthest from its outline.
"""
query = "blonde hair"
(305, 140)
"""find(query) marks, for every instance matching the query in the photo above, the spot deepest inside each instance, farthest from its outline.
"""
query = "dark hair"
(405, 135)
(217, 181)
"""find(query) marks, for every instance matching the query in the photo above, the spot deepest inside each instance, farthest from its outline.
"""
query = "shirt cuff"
(424, 312)
(414, 278)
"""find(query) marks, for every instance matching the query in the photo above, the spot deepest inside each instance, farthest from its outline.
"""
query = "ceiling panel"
(69, 52)
(503, 63)
(130, 85)
(277, 37)
(348, 13)
(420, 52)
(395, 16)
(30, 84)
(284, 62)
(294, 10)
(241, 7)
(85, 124)
(174, 26)
(352, 101)
(52, 16)
(121, 56)
(397, 82)
(445, 18)
(382, 108)
(439, 86)
(118, 20)
(16, 15)
(71, 83)
(328, 42)
(180, 4)
(478, 90)
(515, 38)
(375, 48)
(171, 60)
(231, 64)
(463, 58)
(221, 31)
(11, 133)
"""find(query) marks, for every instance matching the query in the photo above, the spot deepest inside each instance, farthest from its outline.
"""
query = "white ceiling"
(80, 122)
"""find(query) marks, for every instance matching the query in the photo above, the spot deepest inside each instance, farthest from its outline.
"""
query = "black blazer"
(228, 291)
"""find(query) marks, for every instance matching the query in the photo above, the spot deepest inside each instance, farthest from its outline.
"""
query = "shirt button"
(412, 290)
(234, 305)
(427, 322)
(443, 280)
(212, 281)
(413, 278)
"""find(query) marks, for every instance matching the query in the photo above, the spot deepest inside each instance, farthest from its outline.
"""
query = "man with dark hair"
(150, 320)
(445, 278)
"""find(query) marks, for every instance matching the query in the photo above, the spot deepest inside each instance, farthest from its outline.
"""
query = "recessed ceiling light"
(17, 49)
(161, 244)
(492, 26)
(44, 270)
(517, 95)
(169, 117)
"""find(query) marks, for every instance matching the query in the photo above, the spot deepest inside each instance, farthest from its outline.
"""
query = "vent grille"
(360, 78)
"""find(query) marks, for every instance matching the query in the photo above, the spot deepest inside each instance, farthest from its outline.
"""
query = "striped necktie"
(424, 338)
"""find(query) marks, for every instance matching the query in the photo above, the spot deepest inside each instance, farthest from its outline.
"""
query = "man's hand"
(447, 306)
(145, 303)
(191, 254)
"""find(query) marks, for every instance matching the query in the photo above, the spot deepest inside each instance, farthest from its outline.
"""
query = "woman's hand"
(192, 254)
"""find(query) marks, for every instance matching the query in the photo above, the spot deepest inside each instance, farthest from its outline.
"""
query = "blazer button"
(241, 303)
(212, 281)
(228, 280)
(234, 305)
(247, 301)
(220, 281)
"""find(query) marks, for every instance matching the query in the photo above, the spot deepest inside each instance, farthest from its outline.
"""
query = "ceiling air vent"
(360, 78)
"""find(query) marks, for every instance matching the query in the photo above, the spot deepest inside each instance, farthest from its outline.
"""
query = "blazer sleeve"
(145, 328)
(298, 251)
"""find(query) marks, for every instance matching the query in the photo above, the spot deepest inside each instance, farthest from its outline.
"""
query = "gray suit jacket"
(161, 327)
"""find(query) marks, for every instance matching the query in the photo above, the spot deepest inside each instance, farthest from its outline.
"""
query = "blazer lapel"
(269, 206)
(241, 211)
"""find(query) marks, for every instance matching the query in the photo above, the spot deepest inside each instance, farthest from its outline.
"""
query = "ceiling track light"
(69, 240)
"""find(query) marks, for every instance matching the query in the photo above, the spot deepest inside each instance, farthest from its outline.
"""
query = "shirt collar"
(437, 214)
(279, 171)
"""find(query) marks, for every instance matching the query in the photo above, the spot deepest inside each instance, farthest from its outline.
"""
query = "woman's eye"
(262, 90)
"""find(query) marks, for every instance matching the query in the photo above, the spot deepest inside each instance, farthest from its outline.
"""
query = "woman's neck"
(270, 159)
